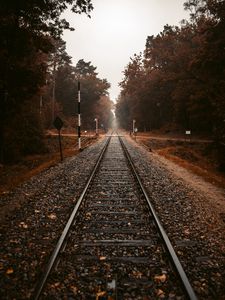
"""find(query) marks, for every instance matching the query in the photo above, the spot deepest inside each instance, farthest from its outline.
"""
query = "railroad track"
(113, 246)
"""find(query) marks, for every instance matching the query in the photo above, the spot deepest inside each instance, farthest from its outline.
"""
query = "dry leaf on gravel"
(9, 271)
(52, 216)
(160, 294)
(160, 278)
(102, 258)
(23, 225)
(74, 289)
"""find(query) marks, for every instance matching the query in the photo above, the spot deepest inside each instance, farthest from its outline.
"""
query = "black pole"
(60, 145)
(79, 118)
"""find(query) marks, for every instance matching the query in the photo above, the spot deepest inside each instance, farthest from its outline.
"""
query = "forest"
(178, 82)
(37, 79)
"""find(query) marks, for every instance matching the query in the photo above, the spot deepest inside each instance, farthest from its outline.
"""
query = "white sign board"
(188, 132)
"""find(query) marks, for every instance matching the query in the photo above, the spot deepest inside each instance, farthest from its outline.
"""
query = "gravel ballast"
(30, 232)
(192, 212)
(42, 206)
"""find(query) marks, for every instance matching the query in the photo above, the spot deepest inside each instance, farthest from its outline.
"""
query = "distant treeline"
(37, 79)
(178, 83)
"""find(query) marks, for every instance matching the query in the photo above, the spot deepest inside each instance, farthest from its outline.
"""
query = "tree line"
(177, 83)
(37, 78)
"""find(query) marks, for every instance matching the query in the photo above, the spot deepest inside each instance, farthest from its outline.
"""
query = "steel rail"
(41, 283)
(167, 244)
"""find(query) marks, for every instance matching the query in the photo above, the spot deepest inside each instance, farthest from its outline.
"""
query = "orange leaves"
(52, 216)
(23, 225)
(9, 271)
(160, 278)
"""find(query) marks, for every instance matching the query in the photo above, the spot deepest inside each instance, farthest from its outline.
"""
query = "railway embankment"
(191, 211)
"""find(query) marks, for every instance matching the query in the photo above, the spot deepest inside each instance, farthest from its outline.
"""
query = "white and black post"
(134, 121)
(96, 126)
(79, 118)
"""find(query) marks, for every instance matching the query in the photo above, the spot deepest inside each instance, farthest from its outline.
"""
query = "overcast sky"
(116, 31)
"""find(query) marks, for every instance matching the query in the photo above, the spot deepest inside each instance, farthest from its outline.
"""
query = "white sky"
(116, 31)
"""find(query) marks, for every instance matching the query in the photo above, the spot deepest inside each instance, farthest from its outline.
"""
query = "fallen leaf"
(23, 225)
(74, 289)
(137, 274)
(102, 258)
(160, 278)
(14, 241)
(100, 294)
(160, 293)
(88, 215)
(9, 271)
(55, 285)
(187, 231)
(52, 216)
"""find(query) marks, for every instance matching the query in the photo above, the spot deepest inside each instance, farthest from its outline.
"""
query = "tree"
(103, 112)
(181, 83)
(123, 114)
(131, 85)
(167, 90)
(66, 91)
(85, 70)
(210, 65)
(94, 99)
(58, 65)
(27, 31)
(92, 89)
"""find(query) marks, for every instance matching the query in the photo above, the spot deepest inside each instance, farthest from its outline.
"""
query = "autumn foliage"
(178, 81)
(37, 79)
